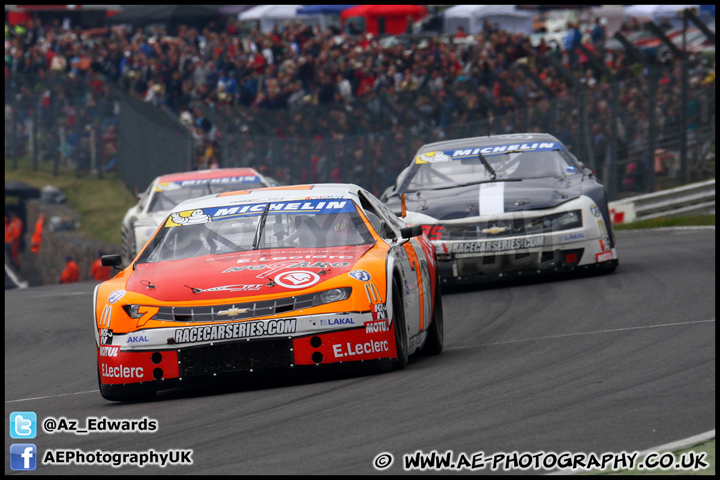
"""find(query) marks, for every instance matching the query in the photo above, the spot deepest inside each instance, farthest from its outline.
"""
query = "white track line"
(581, 333)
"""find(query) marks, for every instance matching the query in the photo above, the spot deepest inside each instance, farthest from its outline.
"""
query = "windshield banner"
(448, 155)
(205, 215)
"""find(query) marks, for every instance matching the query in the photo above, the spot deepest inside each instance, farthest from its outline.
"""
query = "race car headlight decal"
(563, 221)
(330, 296)
(568, 218)
(138, 311)
(141, 313)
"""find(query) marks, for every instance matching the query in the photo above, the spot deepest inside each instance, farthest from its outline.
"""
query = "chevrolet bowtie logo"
(494, 230)
(233, 311)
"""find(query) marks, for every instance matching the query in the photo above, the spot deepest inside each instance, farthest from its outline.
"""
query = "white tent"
(656, 13)
(271, 15)
(471, 18)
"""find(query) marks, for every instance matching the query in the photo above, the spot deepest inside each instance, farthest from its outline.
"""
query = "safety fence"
(693, 199)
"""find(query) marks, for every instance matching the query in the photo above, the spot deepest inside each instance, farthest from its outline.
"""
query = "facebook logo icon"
(23, 456)
(23, 425)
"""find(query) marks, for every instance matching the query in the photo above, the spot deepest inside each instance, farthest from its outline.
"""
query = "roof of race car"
(489, 141)
(205, 174)
(279, 193)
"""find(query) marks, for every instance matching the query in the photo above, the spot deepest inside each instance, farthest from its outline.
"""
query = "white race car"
(166, 191)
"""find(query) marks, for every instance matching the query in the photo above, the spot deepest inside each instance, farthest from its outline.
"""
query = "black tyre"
(398, 320)
(434, 342)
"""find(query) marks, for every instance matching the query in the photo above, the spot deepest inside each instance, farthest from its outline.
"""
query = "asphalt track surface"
(619, 362)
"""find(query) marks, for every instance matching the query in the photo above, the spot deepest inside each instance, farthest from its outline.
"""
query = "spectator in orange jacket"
(71, 274)
(98, 272)
(37, 234)
(13, 232)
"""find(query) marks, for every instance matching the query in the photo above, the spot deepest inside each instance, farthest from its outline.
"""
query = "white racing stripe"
(492, 198)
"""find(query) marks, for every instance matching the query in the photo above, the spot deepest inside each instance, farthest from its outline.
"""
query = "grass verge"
(101, 203)
(659, 222)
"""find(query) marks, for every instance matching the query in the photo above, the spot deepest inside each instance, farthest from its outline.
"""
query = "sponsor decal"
(594, 210)
(115, 296)
(221, 181)
(231, 331)
(377, 326)
(500, 149)
(498, 245)
(433, 157)
(136, 339)
(602, 227)
(192, 217)
(569, 169)
(494, 230)
(109, 351)
(188, 217)
(380, 312)
(106, 317)
(297, 279)
(433, 232)
(350, 349)
(121, 371)
(106, 336)
(277, 266)
(233, 288)
(572, 237)
(360, 275)
(232, 311)
(338, 321)
(605, 256)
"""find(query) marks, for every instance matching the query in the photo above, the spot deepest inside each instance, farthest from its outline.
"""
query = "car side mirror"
(589, 172)
(412, 231)
(111, 260)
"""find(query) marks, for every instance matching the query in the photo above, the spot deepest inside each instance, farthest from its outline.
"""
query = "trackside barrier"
(693, 199)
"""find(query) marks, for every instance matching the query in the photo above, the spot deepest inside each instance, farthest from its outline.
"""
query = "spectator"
(571, 41)
(71, 274)
(13, 234)
(98, 272)
(597, 36)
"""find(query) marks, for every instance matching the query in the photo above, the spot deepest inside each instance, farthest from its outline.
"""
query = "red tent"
(393, 17)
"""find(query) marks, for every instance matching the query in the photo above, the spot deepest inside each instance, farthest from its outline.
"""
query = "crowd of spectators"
(196, 71)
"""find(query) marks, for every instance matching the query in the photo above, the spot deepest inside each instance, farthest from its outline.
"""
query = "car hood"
(244, 274)
(491, 198)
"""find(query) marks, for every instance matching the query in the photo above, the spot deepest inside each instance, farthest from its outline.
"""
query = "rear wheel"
(401, 337)
(434, 343)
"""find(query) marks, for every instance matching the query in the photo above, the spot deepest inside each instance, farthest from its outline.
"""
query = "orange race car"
(267, 280)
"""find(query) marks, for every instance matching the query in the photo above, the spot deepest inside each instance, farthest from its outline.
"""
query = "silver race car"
(505, 206)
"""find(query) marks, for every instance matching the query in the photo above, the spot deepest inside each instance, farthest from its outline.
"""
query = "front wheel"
(401, 337)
